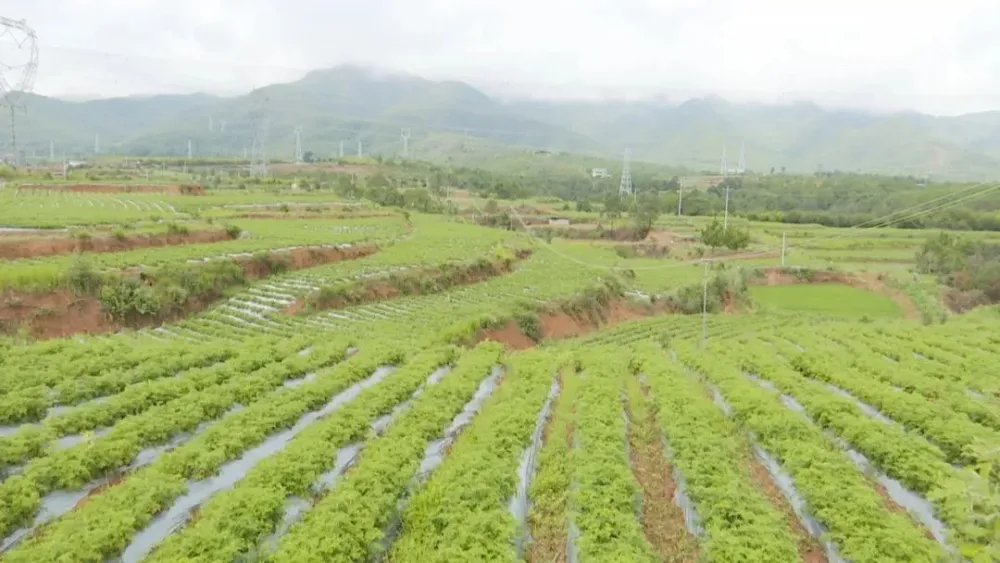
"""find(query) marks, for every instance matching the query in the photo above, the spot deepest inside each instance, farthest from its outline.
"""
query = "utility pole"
(190, 150)
(783, 247)
(97, 143)
(704, 307)
(341, 149)
(298, 145)
(360, 153)
(680, 199)
(405, 136)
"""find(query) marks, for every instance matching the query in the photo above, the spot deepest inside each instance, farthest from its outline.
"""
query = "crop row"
(72, 467)
(839, 496)
(939, 383)
(350, 522)
(954, 432)
(904, 456)
(103, 526)
(549, 492)
(79, 371)
(30, 441)
(461, 513)
(233, 522)
(603, 500)
(710, 452)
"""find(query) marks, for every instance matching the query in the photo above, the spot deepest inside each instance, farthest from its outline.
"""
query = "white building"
(599, 173)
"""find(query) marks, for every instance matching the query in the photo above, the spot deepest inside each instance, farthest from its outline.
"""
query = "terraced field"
(563, 409)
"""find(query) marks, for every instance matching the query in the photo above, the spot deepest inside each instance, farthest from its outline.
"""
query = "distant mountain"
(454, 120)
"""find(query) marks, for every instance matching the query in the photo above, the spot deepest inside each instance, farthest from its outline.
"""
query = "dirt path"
(548, 514)
(809, 548)
(662, 520)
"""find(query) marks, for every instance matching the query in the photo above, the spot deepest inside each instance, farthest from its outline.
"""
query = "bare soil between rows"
(662, 519)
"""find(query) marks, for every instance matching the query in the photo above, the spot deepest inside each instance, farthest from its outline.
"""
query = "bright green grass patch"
(830, 299)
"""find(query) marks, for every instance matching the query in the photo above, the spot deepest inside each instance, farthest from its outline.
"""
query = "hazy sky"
(935, 56)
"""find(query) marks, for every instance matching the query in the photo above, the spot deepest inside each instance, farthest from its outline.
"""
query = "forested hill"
(452, 121)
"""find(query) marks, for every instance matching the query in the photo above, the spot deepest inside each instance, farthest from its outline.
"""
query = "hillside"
(454, 121)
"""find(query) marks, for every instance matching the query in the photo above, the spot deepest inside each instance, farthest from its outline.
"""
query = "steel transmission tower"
(741, 164)
(723, 167)
(405, 136)
(261, 121)
(625, 186)
(16, 78)
(298, 145)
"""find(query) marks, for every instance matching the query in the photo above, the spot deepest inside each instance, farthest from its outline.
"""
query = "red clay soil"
(862, 280)
(378, 289)
(894, 506)
(116, 188)
(662, 520)
(809, 548)
(61, 313)
(556, 326)
(52, 314)
(307, 257)
(49, 246)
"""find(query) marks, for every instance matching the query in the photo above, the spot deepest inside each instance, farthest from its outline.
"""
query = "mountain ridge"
(351, 103)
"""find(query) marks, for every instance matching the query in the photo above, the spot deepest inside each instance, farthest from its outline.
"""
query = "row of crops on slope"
(48, 272)
(309, 450)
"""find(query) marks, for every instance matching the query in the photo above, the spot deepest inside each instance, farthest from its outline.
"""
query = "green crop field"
(355, 378)
(833, 299)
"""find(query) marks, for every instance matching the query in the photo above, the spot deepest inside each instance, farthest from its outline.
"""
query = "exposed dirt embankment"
(117, 188)
(558, 325)
(419, 281)
(60, 313)
(51, 246)
(862, 280)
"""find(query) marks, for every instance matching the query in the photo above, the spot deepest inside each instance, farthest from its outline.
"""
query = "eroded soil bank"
(418, 281)
(61, 313)
(50, 246)
(117, 188)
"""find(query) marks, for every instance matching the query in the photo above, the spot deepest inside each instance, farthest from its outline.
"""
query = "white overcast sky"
(935, 56)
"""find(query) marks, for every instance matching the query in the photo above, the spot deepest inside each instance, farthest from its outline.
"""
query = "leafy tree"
(645, 212)
(716, 235)
(612, 208)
